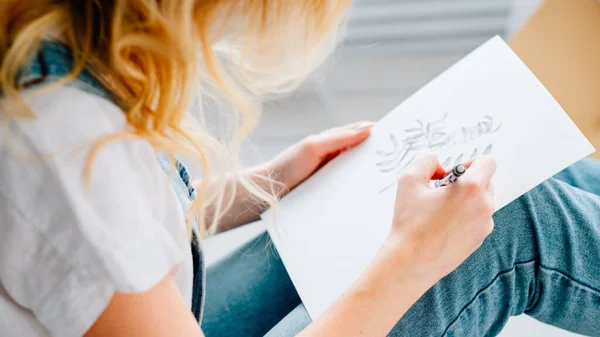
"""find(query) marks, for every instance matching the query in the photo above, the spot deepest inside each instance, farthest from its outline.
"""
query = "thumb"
(426, 167)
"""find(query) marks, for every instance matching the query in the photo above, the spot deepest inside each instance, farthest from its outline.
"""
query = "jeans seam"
(532, 214)
(482, 290)
(585, 286)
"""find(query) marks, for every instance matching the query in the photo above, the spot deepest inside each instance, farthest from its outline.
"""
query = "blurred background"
(393, 47)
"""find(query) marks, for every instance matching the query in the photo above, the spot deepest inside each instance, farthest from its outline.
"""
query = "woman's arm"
(434, 230)
(288, 169)
(245, 208)
(160, 311)
(376, 301)
(370, 307)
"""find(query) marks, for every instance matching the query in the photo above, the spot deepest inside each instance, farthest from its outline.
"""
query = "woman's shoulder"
(70, 239)
(63, 164)
(50, 149)
(66, 115)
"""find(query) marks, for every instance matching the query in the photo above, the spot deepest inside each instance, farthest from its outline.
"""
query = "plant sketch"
(436, 137)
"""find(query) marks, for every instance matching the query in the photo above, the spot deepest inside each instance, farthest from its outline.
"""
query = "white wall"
(520, 12)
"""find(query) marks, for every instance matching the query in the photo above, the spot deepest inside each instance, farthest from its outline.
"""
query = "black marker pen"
(451, 176)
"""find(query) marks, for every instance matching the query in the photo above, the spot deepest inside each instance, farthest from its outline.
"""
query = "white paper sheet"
(330, 227)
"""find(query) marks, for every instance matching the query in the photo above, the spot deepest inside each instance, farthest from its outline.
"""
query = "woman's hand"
(301, 160)
(290, 168)
(436, 229)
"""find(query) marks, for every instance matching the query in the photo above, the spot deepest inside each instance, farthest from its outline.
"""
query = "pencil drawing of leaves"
(395, 146)
(487, 150)
(383, 153)
(482, 128)
(393, 163)
(490, 124)
(465, 132)
(394, 157)
(395, 142)
(414, 137)
(458, 159)
(434, 136)
(474, 154)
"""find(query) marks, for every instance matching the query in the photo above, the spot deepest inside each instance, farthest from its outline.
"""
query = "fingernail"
(363, 127)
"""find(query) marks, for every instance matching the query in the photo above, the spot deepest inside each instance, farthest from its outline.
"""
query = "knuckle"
(473, 187)
(490, 188)
(484, 206)
(489, 207)
(489, 161)
(407, 178)
(311, 144)
(427, 155)
(427, 158)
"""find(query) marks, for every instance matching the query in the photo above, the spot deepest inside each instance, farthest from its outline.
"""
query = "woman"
(97, 213)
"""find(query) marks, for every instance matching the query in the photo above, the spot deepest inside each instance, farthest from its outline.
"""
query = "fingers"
(355, 126)
(490, 190)
(480, 172)
(490, 197)
(339, 139)
(475, 185)
(424, 168)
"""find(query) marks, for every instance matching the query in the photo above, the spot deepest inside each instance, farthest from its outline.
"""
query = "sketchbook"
(330, 227)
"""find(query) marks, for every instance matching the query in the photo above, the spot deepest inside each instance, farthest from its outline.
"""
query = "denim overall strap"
(54, 61)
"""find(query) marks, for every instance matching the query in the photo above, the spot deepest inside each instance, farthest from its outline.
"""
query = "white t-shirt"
(65, 246)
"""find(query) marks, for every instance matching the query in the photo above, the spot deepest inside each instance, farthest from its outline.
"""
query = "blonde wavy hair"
(161, 57)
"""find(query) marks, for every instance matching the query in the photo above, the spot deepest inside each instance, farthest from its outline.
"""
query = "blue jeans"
(543, 259)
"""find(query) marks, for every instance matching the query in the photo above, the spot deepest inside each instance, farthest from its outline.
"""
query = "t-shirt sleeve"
(67, 245)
